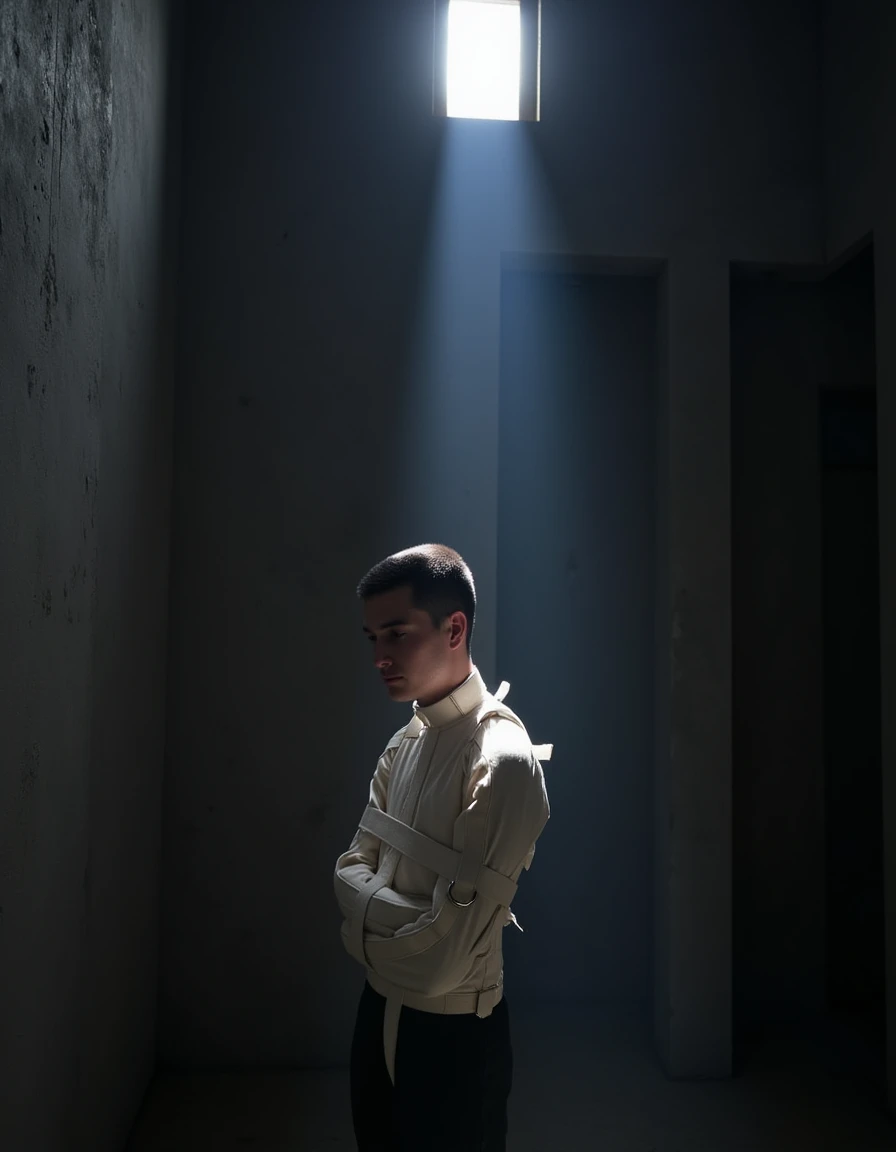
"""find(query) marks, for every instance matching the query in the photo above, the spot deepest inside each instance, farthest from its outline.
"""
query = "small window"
(486, 59)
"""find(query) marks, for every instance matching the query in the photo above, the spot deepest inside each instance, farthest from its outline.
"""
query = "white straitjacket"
(457, 803)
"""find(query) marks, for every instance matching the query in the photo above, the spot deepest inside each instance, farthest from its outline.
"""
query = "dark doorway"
(808, 837)
(853, 782)
(575, 567)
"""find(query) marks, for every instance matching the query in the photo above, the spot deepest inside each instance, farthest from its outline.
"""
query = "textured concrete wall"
(693, 999)
(86, 325)
(340, 399)
(860, 180)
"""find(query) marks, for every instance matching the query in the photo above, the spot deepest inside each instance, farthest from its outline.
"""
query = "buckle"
(486, 1001)
(457, 903)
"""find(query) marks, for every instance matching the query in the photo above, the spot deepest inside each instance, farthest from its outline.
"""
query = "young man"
(456, 804)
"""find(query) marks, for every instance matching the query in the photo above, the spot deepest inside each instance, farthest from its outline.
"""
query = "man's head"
(419, 610)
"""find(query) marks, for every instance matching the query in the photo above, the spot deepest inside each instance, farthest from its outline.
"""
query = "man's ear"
(457, 635)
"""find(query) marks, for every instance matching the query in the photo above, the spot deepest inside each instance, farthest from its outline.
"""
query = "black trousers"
(452, 1079)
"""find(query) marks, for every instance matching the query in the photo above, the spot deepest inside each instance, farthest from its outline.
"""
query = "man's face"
(413, 657)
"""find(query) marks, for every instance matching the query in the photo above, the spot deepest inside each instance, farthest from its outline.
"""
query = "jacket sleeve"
(388, 910)
(360, 861)
(505, 809)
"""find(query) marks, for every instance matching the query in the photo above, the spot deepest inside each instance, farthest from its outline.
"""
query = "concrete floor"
(585, 1082)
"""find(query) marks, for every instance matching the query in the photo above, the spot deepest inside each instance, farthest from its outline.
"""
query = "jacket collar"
(462, 701)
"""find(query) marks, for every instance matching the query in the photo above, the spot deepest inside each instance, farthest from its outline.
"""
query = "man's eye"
(399, 635)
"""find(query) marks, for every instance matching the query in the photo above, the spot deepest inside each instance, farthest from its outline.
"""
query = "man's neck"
(455, 684)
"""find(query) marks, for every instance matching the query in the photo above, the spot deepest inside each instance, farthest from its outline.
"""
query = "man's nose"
(380, 659)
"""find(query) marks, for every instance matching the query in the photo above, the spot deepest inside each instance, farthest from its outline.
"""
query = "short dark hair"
(441, 582)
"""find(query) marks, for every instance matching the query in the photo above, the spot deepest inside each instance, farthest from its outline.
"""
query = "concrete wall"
(575, 618)
(340, 399)
(86, 369)
(860, 181)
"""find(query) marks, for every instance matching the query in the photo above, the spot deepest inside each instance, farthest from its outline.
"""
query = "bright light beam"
(484, 60)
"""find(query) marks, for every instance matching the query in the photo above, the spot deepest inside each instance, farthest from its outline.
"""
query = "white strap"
(438, 857)
(450, 1004)
(487, 1000)
(542, 751)
(356, 926)
(430, 853)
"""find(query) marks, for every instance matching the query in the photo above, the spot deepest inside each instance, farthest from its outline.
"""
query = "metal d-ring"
(457, 903)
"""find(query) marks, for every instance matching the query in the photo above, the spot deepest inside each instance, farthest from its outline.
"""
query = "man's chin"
(399, 691)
